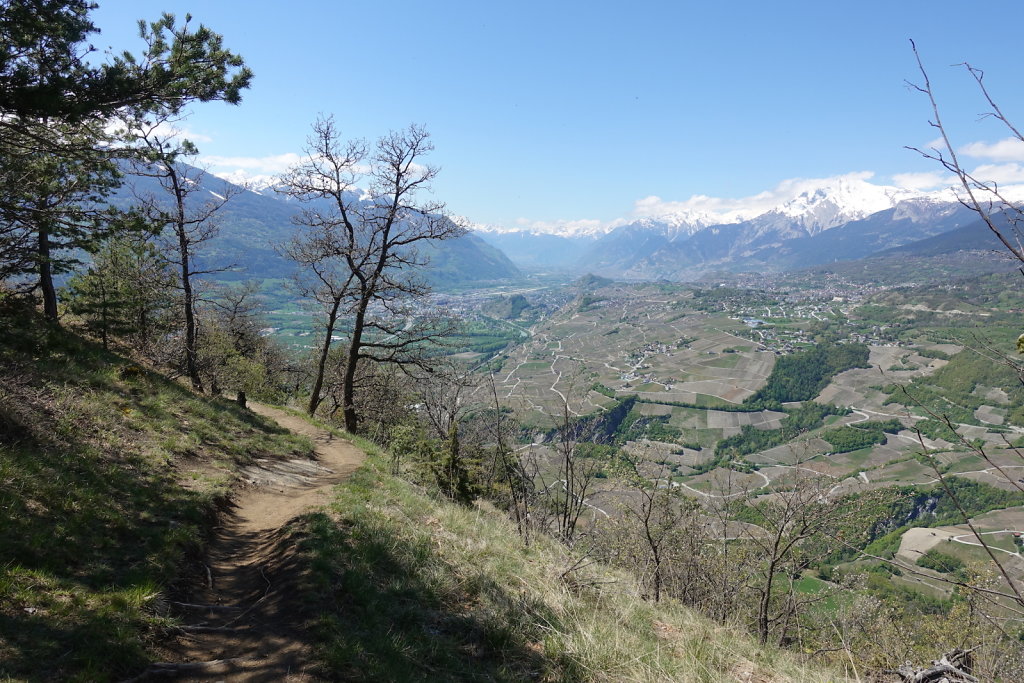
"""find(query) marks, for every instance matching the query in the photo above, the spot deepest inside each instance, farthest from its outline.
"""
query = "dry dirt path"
(246, 623)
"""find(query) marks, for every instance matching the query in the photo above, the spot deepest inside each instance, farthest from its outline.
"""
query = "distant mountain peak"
(254, 183)
(842, 200)
(808, 205)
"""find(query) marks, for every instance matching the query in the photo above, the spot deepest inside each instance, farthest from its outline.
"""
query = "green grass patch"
(109, 480)
(727, 361)
(857, 458)
(529, 367)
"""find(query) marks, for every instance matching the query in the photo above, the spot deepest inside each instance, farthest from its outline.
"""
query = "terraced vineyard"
(635, 340)
(693, 372)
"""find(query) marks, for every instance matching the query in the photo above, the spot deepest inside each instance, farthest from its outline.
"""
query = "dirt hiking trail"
(245, 623)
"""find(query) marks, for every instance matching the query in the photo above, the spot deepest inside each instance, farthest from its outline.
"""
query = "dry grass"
(414, 588)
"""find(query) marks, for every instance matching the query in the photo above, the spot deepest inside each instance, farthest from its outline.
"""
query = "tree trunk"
(656, 556)
(191, 363)
(765, 606)
(318, 381)
(143, 328)
(104, 318)
(49, 292)
(348, 392)
(348, 404)
(657, 578)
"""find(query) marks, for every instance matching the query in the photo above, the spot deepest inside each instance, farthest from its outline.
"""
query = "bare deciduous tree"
(364, 222)
(185, 222)
(506, 466)
(799, 510)
(441, 394)
(657, 515)
(572, 475)
(1003, 217)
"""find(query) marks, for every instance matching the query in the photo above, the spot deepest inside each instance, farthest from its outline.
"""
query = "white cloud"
(925, 180)
(261, 171)
(272, 164)
(1009, 178)
(170, 130)
(164, 130)
(1007, 149)
(1004, 174)
(703, 208)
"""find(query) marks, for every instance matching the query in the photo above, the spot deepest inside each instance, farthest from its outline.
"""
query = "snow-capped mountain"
(254, 183)
(802, 223)
(844, 200)
(817, 204)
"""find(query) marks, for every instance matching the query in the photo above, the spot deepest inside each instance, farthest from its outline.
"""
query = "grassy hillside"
(413, 588)
(110, 477)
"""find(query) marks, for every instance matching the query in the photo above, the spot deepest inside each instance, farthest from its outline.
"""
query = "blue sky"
(555, 112)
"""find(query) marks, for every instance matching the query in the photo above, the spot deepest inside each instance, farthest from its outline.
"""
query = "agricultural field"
(646, 341)
(686, 378)
(691, 357)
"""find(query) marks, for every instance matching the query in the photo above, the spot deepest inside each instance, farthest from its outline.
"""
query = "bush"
(940, 562)
(801, 376)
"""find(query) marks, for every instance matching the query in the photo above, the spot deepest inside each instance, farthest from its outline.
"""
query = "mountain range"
(847, 219)
(256, 221)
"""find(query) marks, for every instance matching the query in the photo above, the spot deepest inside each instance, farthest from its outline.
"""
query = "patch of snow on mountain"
(561, 228)
(255, 183)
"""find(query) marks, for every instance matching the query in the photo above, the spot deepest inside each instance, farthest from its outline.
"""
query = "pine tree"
(232, 354)
(125, 293)
(451, 473)
(57, 161)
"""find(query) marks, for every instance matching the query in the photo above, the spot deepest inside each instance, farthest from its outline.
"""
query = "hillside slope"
(110, 481)
(253, 225)
(974, 236)
(415, 588)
